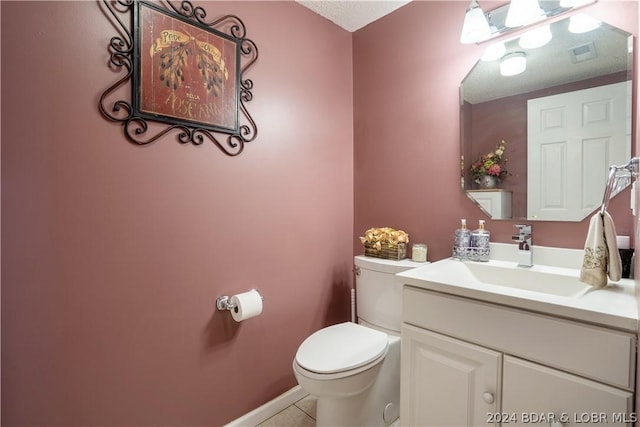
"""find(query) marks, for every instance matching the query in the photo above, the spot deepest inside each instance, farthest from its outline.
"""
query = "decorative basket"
(387, 251)
(471, 253)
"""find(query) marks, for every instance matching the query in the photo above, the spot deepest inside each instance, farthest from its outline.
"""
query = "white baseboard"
(269, 409)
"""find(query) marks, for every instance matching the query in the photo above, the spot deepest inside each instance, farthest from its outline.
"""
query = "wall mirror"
(564, 120)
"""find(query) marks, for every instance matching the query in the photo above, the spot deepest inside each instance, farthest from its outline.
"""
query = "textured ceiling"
(352, 14)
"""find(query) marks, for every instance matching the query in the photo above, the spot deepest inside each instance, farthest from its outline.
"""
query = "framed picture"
(185, 72)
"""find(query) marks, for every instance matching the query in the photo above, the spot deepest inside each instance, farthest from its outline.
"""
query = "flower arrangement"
(376, 237)
(490, 164)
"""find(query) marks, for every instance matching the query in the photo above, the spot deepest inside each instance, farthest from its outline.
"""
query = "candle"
(623, 242)
(419, 252)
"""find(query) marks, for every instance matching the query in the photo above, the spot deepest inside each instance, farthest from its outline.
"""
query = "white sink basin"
(537, 279)
(562, 282)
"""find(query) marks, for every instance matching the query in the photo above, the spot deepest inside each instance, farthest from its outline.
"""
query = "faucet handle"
(523, 228)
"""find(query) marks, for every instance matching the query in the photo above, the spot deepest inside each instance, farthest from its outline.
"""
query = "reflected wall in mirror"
(564, 120)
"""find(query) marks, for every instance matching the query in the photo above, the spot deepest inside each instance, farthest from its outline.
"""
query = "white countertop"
(614, 306)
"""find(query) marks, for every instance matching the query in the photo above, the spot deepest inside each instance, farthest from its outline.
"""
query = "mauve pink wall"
(114, 254)
(407, 70)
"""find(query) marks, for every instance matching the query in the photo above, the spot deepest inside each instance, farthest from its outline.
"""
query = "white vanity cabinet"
(474, 363)
(530, 390)
(496, 202)
(441, 377)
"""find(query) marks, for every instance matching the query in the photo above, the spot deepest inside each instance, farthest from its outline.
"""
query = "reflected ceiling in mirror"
(494, 108)
(566, 58)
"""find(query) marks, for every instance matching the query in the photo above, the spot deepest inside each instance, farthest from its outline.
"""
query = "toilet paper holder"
(224, 302)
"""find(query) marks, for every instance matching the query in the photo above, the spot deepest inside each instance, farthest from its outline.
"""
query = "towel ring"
(631, 167)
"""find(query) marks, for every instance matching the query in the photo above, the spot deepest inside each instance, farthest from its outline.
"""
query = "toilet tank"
(378, 297)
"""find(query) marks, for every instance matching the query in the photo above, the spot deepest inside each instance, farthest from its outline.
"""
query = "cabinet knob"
(488, 397)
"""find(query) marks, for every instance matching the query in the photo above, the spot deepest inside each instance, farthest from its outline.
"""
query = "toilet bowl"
(350, 369)
(340, 360)
(354, 368)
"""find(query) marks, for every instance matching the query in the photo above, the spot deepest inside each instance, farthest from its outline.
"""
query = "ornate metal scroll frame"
(122, 57)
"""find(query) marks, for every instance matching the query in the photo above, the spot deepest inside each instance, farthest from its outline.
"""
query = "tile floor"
(300, 414)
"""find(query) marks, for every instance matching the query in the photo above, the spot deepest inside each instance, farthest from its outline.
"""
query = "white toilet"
(354, 369)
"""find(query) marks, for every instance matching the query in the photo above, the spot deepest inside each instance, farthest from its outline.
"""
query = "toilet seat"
(342, 347)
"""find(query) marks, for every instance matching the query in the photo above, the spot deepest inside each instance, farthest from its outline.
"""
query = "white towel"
(601, 256)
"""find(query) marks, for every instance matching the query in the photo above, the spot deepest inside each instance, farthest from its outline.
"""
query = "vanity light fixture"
(511, 17)
(476, 27)
(523, 12)
(494, 51)
(582, 23)
(513, 63)
(535, 38)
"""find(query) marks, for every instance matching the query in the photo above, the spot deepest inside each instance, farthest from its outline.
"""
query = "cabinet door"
(447, 382)
(534, 394)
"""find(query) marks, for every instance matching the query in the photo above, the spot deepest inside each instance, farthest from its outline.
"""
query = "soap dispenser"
(462, 241)
(480, 243)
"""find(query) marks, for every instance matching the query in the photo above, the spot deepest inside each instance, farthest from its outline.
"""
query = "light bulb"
(513, 63)
(535, 38)
(582, 23)
(522, 12)
(573, 3)
(493, 51)
(475, 28)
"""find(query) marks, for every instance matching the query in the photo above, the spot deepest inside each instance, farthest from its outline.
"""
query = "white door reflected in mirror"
(573, 138)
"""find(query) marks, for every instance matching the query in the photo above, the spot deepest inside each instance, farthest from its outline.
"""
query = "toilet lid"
(340, 348)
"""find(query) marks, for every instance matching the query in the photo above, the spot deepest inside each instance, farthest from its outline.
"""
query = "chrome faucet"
(523, 238)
